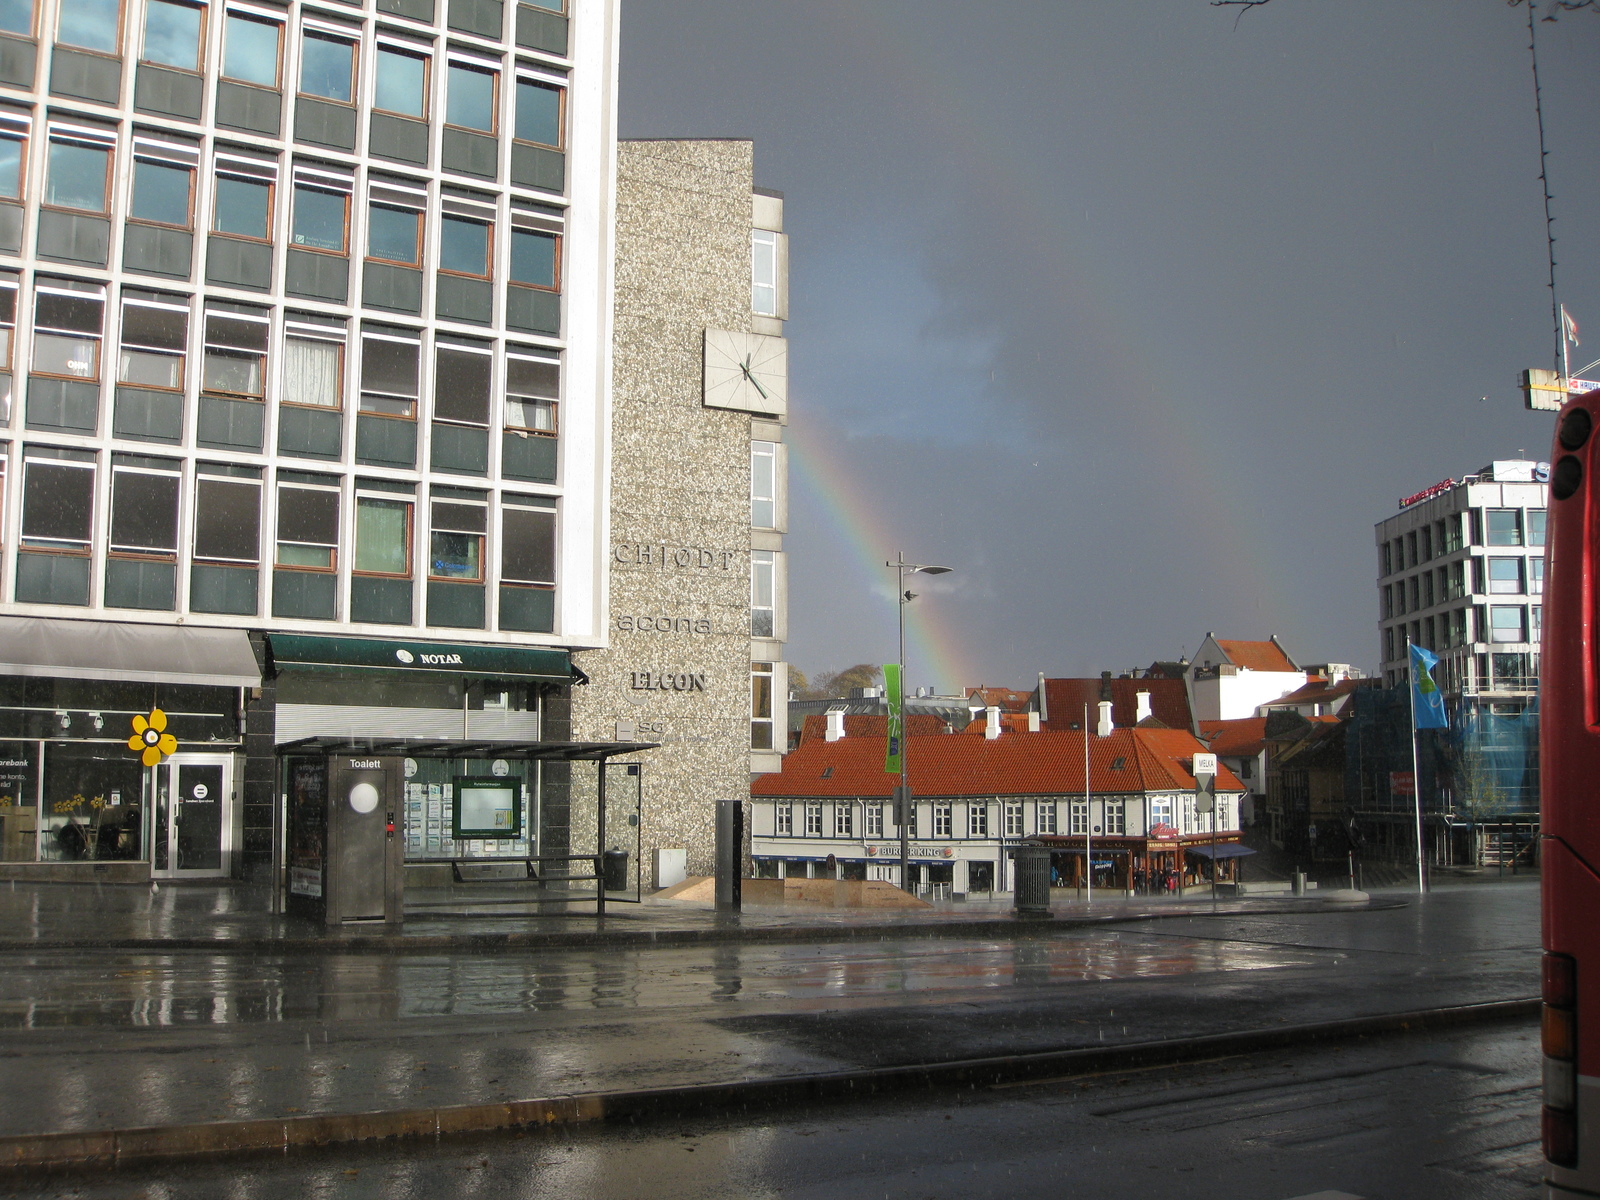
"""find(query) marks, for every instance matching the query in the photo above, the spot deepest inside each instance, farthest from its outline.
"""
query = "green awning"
(292, 650)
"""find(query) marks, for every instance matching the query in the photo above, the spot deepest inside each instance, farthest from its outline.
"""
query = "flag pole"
(1088, 815)
(1416, 775)
(1566, 336)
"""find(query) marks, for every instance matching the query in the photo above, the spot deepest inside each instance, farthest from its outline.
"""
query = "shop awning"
(125, 652)
(1223, 850)
(295, 650)
(428, 748)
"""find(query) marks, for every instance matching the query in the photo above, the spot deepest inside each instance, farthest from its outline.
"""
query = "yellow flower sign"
(150, 735)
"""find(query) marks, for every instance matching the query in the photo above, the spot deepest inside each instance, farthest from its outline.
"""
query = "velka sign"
(1205, 776)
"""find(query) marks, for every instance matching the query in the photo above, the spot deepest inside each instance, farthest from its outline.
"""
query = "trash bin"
(1032, 897)
(614, 870)
(1298, 883)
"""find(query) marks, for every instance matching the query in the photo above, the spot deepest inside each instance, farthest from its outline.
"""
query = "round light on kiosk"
(1566, 478)
(364, 797)
(1575, 428)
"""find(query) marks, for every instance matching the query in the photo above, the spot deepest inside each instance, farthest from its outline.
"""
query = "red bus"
(1569, 757)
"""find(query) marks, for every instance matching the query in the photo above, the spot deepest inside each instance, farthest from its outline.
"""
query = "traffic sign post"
(1205, 801)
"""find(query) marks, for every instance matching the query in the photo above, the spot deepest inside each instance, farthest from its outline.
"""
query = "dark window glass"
(153, 341)
(389, 377)
(57, 502)
(16, 16)
(244, 206)
(306, 516)
(528, 545)
(227, 520)
(319, 219)
(250, 50)
(463, 246)
(461, 386)
(401, 84)
(326, 67)
(77, 177)
(533, 258)
(53, 310)
(235, 356)
(469, 101)
(161, 192)
(392, 234)
(91, 24)
(144, 512)
(538, 113)
(11, 168)
(172, 34)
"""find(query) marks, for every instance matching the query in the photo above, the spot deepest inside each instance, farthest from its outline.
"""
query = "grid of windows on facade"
(950, 820)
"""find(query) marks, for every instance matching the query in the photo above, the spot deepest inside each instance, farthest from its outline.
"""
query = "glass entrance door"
(193, 816)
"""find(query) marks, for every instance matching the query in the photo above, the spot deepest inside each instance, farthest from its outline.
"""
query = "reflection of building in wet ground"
(698, 590)
(1003, 780)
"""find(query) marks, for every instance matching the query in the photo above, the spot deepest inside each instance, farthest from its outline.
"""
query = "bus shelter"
(363, 819)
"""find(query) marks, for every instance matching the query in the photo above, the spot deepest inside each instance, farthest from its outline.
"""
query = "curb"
(110, 1148)
(378, 943)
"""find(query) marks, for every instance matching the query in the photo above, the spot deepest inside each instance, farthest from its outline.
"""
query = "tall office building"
(307, 323)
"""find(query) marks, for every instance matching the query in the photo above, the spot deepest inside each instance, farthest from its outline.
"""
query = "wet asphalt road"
(115, 1039)
(1406, 1118)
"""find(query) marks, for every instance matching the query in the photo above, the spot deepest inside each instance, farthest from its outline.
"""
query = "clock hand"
(745, 367)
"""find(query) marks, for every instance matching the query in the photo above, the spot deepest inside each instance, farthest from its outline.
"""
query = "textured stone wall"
(680, 493)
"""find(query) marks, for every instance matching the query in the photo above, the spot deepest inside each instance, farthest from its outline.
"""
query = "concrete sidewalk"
(216, 1050)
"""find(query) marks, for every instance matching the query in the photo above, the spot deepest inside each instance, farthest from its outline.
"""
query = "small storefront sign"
(916, 852)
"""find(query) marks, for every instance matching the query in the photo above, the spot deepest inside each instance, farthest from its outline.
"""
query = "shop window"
(144, 507)
(1536, 574)
(16, 16)
(1013, 819)
(1045, 817)
(1505, 526)
(57, 501)
(90, 25)
(313, 372)
(764, 273)
(844, 820)
(784, 819)
(235, 355)
(813, 820)
(251, 50)
(763, 485)
(400, 85)
(941, 821)
(327, 66)
(1117, 816)
(1505, 576)
(308, 526)
(761, 707)
(978, 820)
(321, 218)
(763, 593)
(91, 804)
(456, 545)
(394, 235)
(163, 184)
(155, 341)
(243, 202)
(541, 113)
(874, 821)
(461, 385)
(172, 35)
(1536, 524)
(464, 247)
(383, 537)
(1507, 623)
(533, 388)
(227, 517)
(470, 97)
(536, 259)
(67, 332)
(78, 169)
(389, 369)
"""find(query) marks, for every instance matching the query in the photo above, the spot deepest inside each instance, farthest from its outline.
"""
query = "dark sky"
(1136, 317)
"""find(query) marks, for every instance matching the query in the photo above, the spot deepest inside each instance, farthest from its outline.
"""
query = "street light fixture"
(903, 794)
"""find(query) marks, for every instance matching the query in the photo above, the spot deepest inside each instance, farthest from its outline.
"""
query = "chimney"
(1143, 713)
(1044, 704)
(835, 724)
(1103, 729)
(1033, 722)
(991, 723)
(1105, 685)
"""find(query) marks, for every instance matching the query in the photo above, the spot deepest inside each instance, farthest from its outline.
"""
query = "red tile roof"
(1319, 691)
(1242, 738)
(1014, 764)
(1007, 698)
(1257, 656)
(868, 725)
(1065, 698)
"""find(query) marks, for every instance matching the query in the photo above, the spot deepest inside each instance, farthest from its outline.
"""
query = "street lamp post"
(902, 569)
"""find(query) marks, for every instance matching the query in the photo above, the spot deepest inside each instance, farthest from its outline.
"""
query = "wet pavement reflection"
(63, 989)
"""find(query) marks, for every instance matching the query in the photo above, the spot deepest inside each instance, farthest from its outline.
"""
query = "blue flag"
(1427, 704)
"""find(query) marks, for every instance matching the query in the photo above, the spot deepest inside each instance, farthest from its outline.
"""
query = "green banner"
(891, 691)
